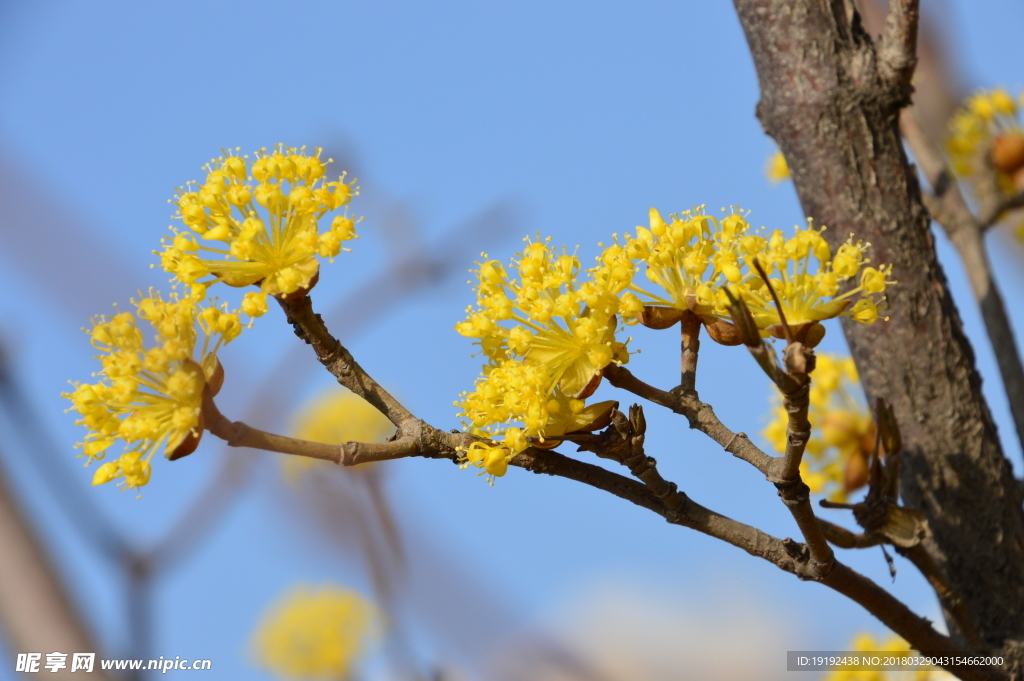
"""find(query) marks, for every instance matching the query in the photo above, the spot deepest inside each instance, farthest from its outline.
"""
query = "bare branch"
(700, 415)
(333, 355)
(690, 333)
(995, 213)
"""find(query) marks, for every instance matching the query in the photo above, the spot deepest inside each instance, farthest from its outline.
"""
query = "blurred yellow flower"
(776, 168)
(866, 643)
(987, 132)
(316, 633)
(333, 417)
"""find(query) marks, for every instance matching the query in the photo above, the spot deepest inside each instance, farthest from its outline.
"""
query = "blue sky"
(577, 118)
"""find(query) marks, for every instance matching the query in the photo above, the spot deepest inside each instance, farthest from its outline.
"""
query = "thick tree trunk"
(833, 113)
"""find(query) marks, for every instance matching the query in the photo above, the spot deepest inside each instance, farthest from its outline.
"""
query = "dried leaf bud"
(1008, 153)
(904, 527)
(602, 419)
(214, 375)
(590, 388)
(659, 317)
(857, 472)
(723, 332)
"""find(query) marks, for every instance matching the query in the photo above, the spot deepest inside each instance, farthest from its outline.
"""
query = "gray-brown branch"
(949, 208)
(675, 507)
(834, 115)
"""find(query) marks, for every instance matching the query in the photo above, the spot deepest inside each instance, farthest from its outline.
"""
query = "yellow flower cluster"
(842, 431)
(988, 129)
(316, 633)
(546, 336)
(547, 331)
(776, 168)
(334, 417)
(987, 132)
(150, 396)
(866, 643)
(693, 256)
(259, 222)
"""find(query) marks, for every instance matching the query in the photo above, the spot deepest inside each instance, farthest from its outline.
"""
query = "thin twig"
(993, 215)
(844, 539)
(690, 346)
(700, 415)
(333, 355)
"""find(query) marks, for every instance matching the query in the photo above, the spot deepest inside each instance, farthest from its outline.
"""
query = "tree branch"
(834, 118)
(671, 504)
(700, 415)
(332, 354)
(897, 52)
(949, 208)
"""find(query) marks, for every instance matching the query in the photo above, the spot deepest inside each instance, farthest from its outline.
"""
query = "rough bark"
(829, 106)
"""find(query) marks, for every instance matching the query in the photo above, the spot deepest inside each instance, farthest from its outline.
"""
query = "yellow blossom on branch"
(693, 256)
(149, 395)
(547, 335)
(986, 134)
(807, 279)
(316, 633)
(987, 131)
(258, 224)
(842, 431)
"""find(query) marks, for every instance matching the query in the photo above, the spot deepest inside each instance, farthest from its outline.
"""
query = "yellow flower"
(547, 317)
(316, 633)
(842, 430)
(150, 397)
(987, 132)
(513, 401)
(808, 290)
(686, 257)
(777, 169)
(866, 643)
(693, 256)
(547, 335)
(260, 223)
(334, 417)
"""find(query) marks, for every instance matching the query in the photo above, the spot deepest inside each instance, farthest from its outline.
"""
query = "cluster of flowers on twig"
(548, 333)
(316, 633)
(843, 430)
(986, 134)
(150, 394)
(247, 224)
